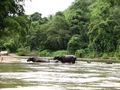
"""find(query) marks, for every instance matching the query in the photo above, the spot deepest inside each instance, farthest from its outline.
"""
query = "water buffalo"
(33, 59)
(65, 59)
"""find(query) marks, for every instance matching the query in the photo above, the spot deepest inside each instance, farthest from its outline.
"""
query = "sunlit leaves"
(102, 33)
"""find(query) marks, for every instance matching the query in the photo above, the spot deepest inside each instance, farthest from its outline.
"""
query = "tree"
(9, 8)
(73, 44)
(15, 34)
(57, 33)
(76, 43)
(53, 34)
(104, 31)
(78, 17)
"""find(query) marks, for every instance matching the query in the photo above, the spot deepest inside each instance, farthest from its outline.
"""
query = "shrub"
(117, 53)
(45, 53)
(23, 51)
(105, 56)
(73, 44)
(59, 53)
(10, 45)
(80, 53)
(92, 54)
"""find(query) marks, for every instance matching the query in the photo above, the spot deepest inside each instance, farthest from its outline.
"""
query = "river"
(57, 76)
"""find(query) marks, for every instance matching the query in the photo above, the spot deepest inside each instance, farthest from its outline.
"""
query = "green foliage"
(23, 51)
(73, 44)
(80, 53)
(48, 53)
(36, 16)
(101, 34)
(117, 53)
(45, 53)
(105, 56)
(76, 43)
(59, 53)
(10, 45)
(103, 28)
(77, 6)
(52, 35)
(94, 54)
(15, 35)
(9, 8)
(57, 33)
(88, 28)
(77, 16)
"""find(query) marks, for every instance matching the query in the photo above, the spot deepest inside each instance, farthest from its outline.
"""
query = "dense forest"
(87, 28)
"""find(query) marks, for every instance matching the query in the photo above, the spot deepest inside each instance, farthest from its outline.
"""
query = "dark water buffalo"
(65, 59)
(33, 59)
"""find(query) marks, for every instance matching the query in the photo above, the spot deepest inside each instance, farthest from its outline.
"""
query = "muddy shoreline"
(10, 58)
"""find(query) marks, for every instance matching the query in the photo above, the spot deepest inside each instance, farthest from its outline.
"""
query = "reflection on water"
(54, 76)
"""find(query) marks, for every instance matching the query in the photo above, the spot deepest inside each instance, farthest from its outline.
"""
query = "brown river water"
(57, 76)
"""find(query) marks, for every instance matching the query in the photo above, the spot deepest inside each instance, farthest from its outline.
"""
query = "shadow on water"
(57, 76)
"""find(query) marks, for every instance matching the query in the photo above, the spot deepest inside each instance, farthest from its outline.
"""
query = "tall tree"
(58, 33)
(53, 34)
(78, 17)
(104, 28)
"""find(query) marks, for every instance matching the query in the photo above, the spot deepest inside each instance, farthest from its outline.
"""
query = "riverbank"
(10, 58)
(108, 61)
(13, 58)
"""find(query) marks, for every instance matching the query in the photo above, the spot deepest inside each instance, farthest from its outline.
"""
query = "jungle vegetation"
(88, 28)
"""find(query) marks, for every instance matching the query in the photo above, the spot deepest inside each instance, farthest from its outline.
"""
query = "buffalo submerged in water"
(62, 59)
(34, 59)
(65, 59)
